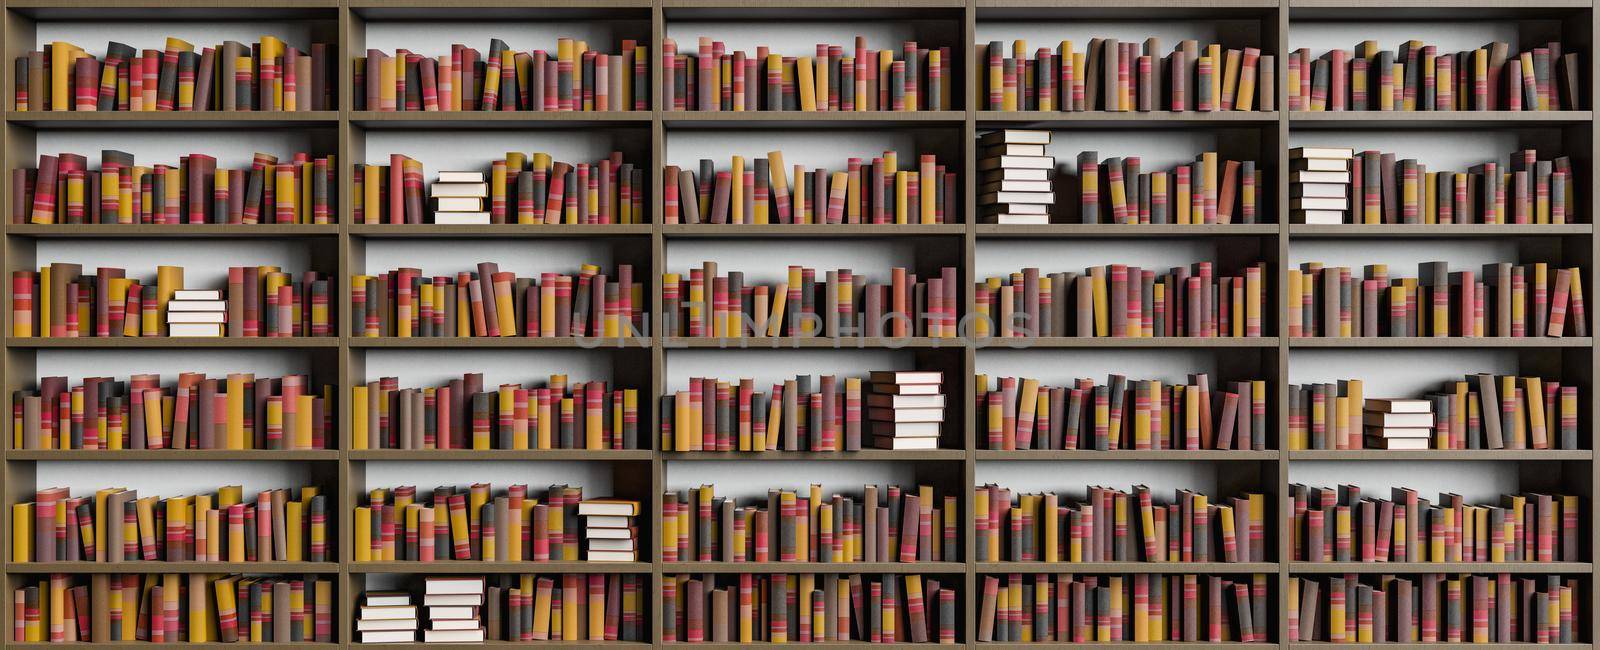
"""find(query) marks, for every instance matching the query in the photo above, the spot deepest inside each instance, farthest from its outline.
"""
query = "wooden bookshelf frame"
(955, 467)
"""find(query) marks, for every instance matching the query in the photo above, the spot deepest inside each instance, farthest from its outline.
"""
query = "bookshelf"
(655, 138)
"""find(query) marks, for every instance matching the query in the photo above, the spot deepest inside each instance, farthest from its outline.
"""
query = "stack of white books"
(458, 198)
(196, 312)
(1397, 423)
(906, 409)
(608, 529)
(1014, 177)
(1319, 184)
(454, 605)
(386, 617)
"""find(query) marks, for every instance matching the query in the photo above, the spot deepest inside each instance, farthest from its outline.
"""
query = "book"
(707, 76)
(572, 77)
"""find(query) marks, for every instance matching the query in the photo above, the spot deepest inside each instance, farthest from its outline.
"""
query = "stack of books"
(458, 198)
(1014, 187)
(906, 409)
(1397, 423)
(453, 606)
(196, 312)
(386, 617)
(1319, 184)
(608, 529)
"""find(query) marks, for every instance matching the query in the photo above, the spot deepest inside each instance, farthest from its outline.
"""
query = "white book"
(461, 218)
(608, 508)
(460, 177)
(1405, 444)
(1014, 136)
(453, 636)
(1016, 186)
(1322, 152)
(906, 389)
(197, 305)
(1323, 164)
(1322, 190)
(1014, 174)
(611, 545)
(468, 190)
(1014, 198)
(386, 598)
(1381, 419)
(457, 204)
(881, 442)
(620, 523)
(375, 625)
(1018, 162)
(1320, 177)
(1012, 149)
(454, 585)
(1311, 203)
(451, 612)
(1399, 432)
(1013, 219)
(195, 329)
(903, 377)
(594, 532)
(1015, 208)
(435, 600)
(389, 636)
(878, 400)
(197, 317)
(391, 613)
(906, 415)
(905, 429)
(197, 294)
(610, 556)
(1317, 217)
(1398, 405)
(454, 624)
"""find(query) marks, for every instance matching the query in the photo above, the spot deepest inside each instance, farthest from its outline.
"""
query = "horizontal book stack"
(1210, 190)
(1110, 525)
(867, 190)
(472, 524)
(906, 409)
(457, 198)
(1435, 608)
(903, 525)
(522, 188)
(464, 414)
(386, 617)
(1320, 186)
(63, 189)
(174, 608)
(1525, 190)
(1502, 299)
(1344, 526)
(609, 531)
(1138, 607)
(1016, 168)
(1418, 77)
(566, 607)
(238, 411)
(1021, 413)
(268, 75)
(262, 301)
(1112, 75)
(1480, 411)
(795, 415)
(406, 303)
(197, 312)
(843, 304)
(574, 78)
(117, 525)
(458, 621)
(711, 78)
(1118, 300)
(808, 608)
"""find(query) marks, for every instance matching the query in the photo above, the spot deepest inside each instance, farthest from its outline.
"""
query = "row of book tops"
(1021, 413)
(1534, 299)
(1119, 300)
(1110, 525)
(1113, 75)
(1481, 411)
(268, 75)
(871, 190)
(478, 524)
(117, 525)
(173, 608)
(1342, 525)
(808, 608)
(843, 303)
(573, 607)
(572, 78)
(1114, 608)
(300, 189)
(1434, 608)
(1416, 76)
(1337, 185)
(904, 409)
(520, 188)
(492, 303)
(465, 414)
(61, 301)
(904, 525)
(238, 411)
(711, 78)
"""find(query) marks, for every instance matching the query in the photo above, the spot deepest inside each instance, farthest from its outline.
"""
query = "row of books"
(1333, 185)
(807, 608)
(63, 190)
(1503, 299)
(716, 415)
(478, 524)
(1139, 607)
(498, 607)
(1113, 75)
(711, 78)
(60, 300)
(1118, 300)
(117, 525)
(1482, 411)
(238, 411)
(174, 608)
(1110, 525)
(843, 304)
(464, 414)
(1416, 76)
(905, 525)
(1434, 608)
(574, 78)
(1344, 526)
(1020, 413)
(268, 75)
(871, 190)
(1210, 190)
(407, 303)
(522, 188)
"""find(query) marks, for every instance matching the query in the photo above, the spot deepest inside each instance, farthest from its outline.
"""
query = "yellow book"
(22, 532)
(736, 192)
(358, 417)
(1102, 318)
(63, 57)
(169, 279)
(805, 83)
(1230, 79)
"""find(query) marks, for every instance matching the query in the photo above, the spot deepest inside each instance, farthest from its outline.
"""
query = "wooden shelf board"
(989, 120)
(929, 568)
(142, 566)
(1128, 231)
(810, 119)
(808, 231)
(169, 342)
(880, 455)
(501, 454)
(1436, 119)
(810, 343)
(1445, 454)
(1103, 342)
(1440, 567)
(174, 120)
(464, 342)
(1424, 231)
(1180, 455)
(529, 231)
(469, 566)
(152, 231)
(1453, 342)
(499, 119)
(109, 455)
(1125, 567)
